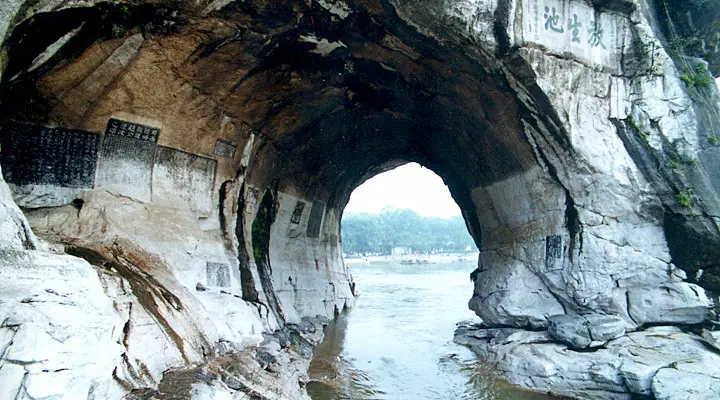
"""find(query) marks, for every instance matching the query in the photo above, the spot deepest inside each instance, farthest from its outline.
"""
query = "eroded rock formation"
(194, 159)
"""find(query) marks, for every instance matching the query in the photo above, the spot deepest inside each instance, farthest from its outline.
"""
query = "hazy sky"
(409, 186)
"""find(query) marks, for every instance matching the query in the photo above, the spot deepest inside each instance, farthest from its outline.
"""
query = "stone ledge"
(663, 362)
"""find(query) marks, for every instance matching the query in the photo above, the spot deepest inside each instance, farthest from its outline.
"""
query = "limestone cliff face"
(198, 156)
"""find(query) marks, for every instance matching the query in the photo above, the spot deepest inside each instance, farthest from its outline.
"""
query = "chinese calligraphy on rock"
(552, 20)
(594, 32)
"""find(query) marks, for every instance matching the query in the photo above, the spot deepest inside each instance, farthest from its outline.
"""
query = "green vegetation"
(685, 197)
(681, 43)
(632, 123)
(644, 135)
(678, 160)
(697, 79)
(380, 233)
(713, 140)
(117, 31)
(640, 51)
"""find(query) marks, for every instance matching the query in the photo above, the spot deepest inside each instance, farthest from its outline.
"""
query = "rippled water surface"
(396, 343)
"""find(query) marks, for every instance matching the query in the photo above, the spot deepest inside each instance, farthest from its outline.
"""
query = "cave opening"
(410, 254)
(405, 211)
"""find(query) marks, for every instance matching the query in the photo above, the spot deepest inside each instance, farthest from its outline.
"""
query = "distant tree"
(380, 233)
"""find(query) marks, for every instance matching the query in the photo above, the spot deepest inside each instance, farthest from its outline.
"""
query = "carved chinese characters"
(126, 161)
(573, 27)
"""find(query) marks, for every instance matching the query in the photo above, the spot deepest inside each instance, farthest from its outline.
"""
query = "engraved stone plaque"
(225, 149)
(297, 213)
(252, 197)
(132, 130)
(566, 26)
(315, 219)
(218, 274)
(553, 250)
(126, 159)
(183, 179)
(33, 155)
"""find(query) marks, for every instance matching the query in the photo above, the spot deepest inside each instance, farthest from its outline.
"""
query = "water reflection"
(397, 341)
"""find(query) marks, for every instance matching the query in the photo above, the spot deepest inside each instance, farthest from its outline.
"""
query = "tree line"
(380, 233)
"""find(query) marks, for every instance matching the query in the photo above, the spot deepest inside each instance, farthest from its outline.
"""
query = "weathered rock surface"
(690, 380)
(198, 156)
(672, 303)
(15, 233)
(582, 331)
(661, 362)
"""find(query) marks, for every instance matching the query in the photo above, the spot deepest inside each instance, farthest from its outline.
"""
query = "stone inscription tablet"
(33, 155)
(132, 130)
(126, 159)
(183, 179)
(553, 250)
(218, 274)
(297, 213)
(225, 149)
(569, 26)
(315, 219)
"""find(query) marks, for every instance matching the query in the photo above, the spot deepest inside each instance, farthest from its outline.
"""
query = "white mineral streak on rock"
(104, 75)
(337, 7)
(53, 48)
(322, 46)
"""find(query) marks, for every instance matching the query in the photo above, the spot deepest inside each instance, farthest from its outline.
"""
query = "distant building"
(400, 251)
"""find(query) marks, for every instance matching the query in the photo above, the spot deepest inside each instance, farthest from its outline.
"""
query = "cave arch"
(329, 100)
(221, 140)
(511, 223)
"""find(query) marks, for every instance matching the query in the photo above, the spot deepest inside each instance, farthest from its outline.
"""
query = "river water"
(396, 343)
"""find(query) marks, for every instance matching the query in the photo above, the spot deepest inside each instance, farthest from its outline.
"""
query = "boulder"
(583, 331)
(498, 305)
(671, 303)
(570, 329)
(696, 379)
(661, 361)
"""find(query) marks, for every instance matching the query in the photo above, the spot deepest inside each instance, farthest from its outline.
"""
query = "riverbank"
(444, 258)
(659, 362)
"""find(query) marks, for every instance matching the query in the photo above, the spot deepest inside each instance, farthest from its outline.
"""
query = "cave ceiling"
(333, 96)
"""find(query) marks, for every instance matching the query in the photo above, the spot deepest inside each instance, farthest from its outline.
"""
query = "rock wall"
(198, 156)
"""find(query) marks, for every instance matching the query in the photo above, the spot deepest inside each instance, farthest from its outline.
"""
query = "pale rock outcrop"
(583, 331)
(495, 302)
(661, 362)
(670, 303)
(61, 333)
(75, 330)
(687, 379)
(15, 233)
(199, 155)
